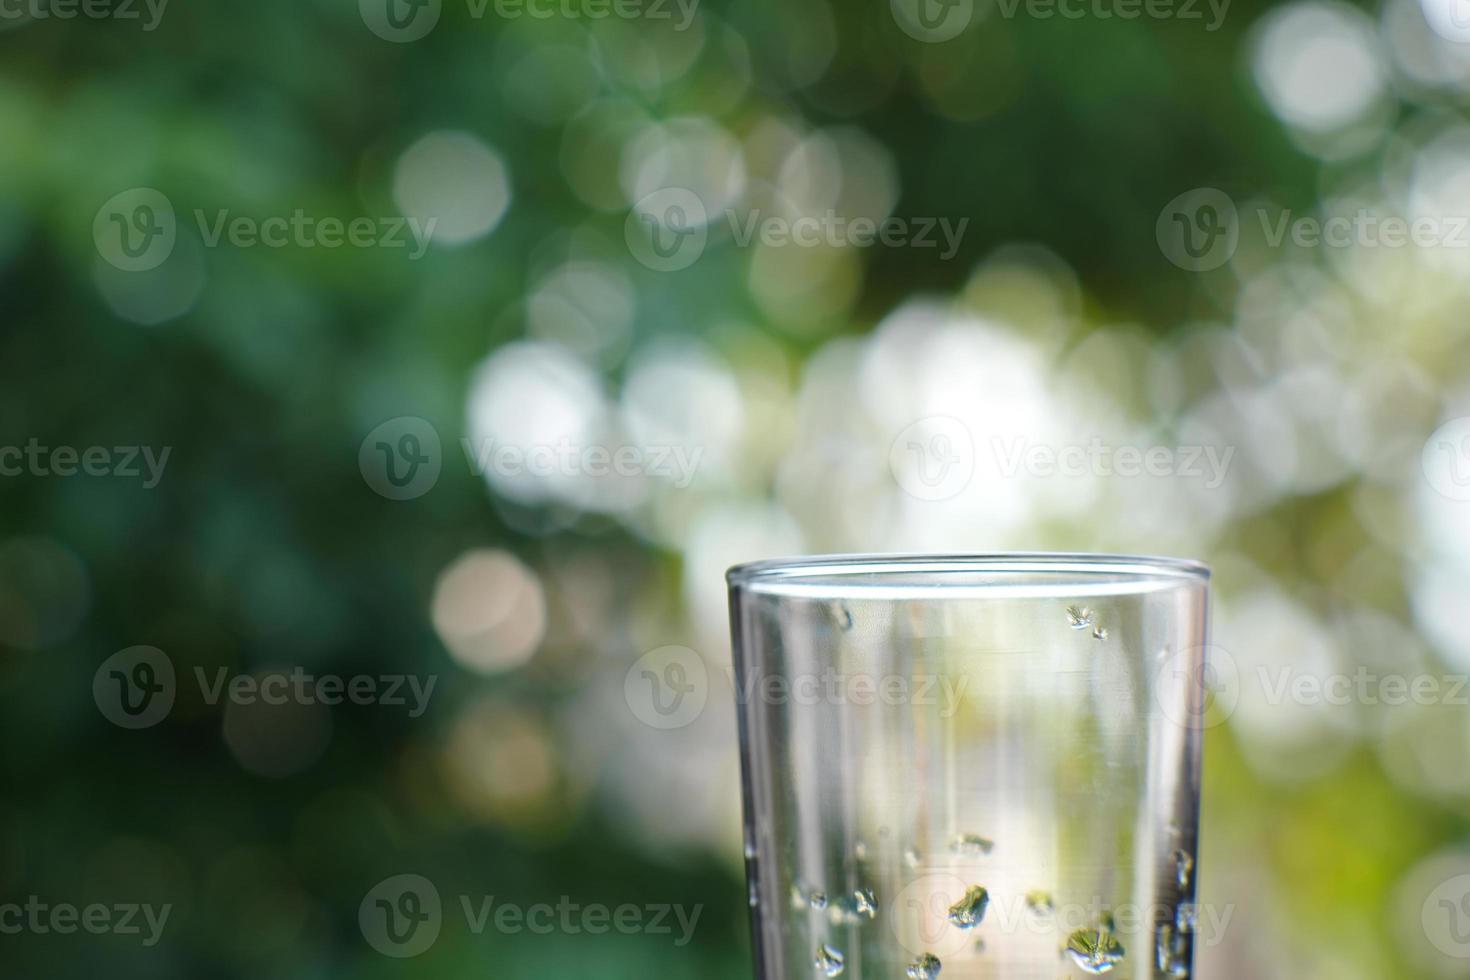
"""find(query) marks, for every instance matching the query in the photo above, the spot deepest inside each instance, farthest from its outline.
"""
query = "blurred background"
(442, 354)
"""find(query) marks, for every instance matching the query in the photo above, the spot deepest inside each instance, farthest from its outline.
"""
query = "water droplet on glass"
(1187, 917)
(865, 903)
(926, 967)
(829, 961)
(911, 857)
(1040, 902)
(1173, 953)
(1184, 863)
(1095, 950)
(1079, 617)
(817, 900)
(842, 616)
(969, 911)
(1099, 633)
(971, 844)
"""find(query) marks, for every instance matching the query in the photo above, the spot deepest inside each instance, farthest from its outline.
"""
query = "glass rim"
(922, 571)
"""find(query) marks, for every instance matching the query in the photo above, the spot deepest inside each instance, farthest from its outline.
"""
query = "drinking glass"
(981, 765)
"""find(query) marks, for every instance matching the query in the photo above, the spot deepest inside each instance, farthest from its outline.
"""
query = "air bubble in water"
(1040, 902)
(865, 903)
(860, 851)
(971, 844)
(1099, 633)
(750, 851)
(926, 967)
(1184, 866)
(842, 615)
(829, 961)
(817, 900)
(1079, 617)
(1095, 950)
(911, 857)
(969, 911)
